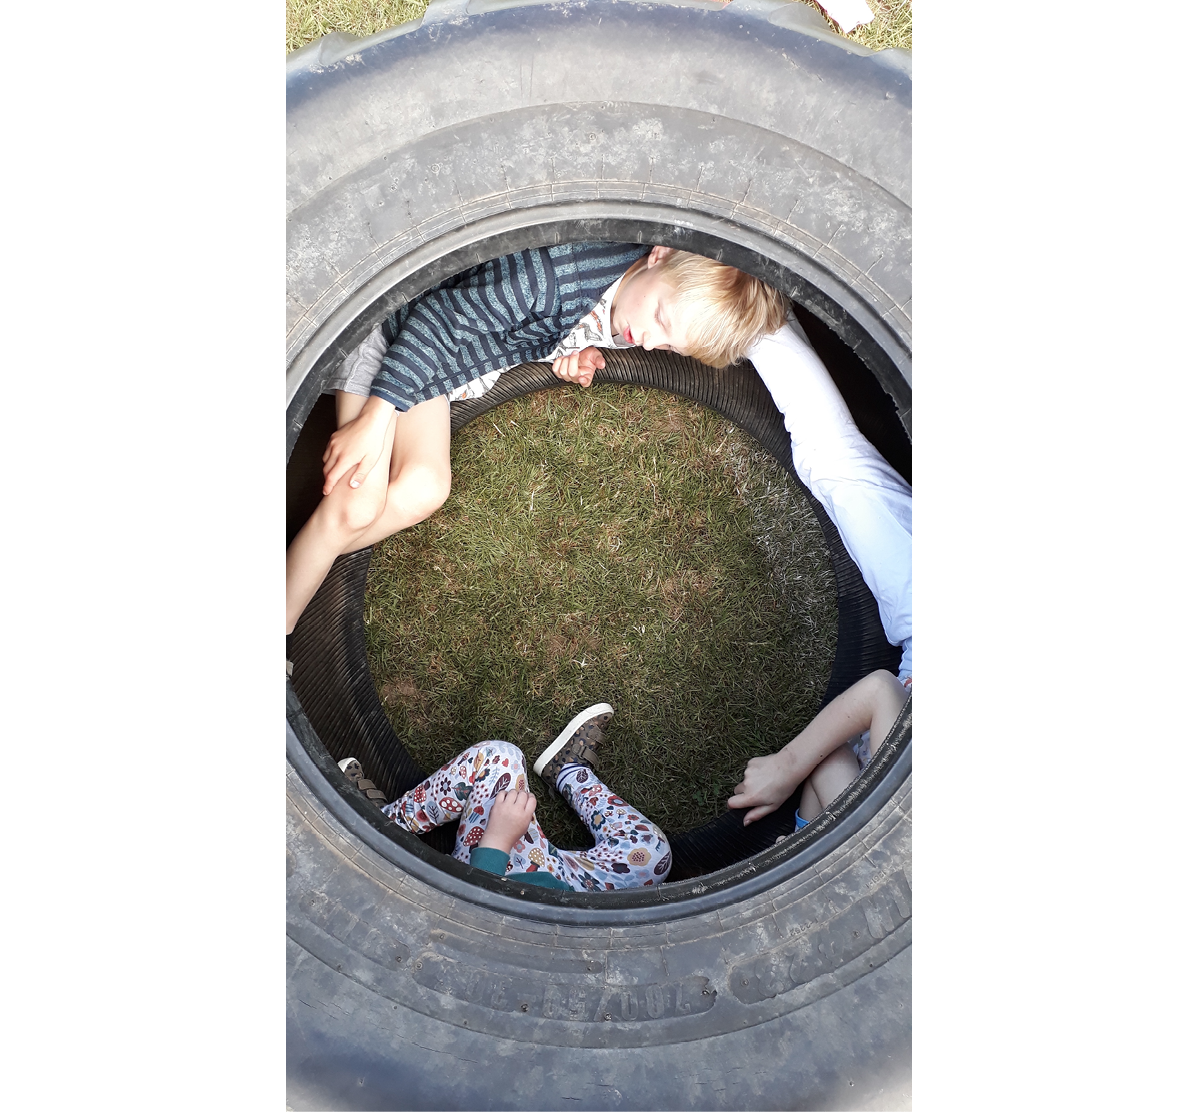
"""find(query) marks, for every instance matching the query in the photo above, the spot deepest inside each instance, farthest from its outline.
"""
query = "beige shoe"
(354, 773)
(576, 744)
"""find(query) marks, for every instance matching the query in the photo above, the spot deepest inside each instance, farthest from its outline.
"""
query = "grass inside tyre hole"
(619, 545)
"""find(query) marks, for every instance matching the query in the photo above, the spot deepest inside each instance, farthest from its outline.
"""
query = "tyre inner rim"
(334, 711)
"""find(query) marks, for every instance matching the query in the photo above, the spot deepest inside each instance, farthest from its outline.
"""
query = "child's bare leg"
(410, 481)
(341, 518)
(420, 470)
(809, 805)
(833, 775)
(889, 700)
(828, 780)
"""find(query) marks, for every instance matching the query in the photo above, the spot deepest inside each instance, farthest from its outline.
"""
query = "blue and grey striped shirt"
(496, 315)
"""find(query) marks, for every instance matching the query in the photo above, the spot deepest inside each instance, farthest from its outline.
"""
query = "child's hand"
(767, 784)
(510, 816)
(355, 448)
(579, 366)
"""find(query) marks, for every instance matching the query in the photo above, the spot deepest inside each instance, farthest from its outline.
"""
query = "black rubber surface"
(751, 134)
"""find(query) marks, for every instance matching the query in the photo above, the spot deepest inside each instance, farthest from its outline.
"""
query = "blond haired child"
(388, 464)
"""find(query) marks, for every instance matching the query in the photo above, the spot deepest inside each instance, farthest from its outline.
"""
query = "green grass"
(615, 545)
(891, 26)
(310, 19)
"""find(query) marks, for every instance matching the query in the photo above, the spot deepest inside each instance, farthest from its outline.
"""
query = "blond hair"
(732, 309)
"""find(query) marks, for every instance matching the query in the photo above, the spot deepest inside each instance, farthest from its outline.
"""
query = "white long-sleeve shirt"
(867, 499)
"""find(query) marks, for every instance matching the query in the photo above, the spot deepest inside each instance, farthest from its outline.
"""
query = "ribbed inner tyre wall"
(328, 649)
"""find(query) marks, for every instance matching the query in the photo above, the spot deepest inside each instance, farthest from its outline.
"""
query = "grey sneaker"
(575, 745)
(355, 775)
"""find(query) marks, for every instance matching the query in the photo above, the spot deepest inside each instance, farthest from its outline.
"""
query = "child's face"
(645, 310)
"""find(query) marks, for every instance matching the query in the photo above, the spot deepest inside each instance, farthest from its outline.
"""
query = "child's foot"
(354, 773)
(575, 745)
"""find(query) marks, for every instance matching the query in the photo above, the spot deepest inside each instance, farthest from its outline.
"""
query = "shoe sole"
(555, 746)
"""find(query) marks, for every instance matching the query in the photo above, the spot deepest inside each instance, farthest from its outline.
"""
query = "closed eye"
(662, 325)
(661, 319)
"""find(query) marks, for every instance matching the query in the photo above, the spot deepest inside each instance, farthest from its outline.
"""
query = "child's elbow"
(423, 492)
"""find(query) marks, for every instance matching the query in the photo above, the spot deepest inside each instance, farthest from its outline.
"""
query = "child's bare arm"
(579, 366)
(355, 447)
(510, 816)
(873, 704)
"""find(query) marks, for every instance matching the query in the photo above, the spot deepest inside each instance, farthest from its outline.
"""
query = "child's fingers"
(335, 463)
(335, 473)
(516, 800)
(742, 798)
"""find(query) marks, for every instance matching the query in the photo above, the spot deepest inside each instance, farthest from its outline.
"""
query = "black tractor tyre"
(749, 133)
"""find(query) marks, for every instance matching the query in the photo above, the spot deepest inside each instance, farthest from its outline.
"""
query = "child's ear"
(658, 254)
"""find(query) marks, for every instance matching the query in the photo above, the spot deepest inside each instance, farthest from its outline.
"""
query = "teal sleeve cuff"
(538, 879)
(496, 861)
(489, 860)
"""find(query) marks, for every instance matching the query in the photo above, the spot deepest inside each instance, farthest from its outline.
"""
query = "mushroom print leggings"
(630, 851)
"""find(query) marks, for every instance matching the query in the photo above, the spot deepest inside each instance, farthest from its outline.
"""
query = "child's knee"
(653, 854)
(491, 751)
(507, 751)
(882, 682)
(661, 846)
(352, 511)
(435, 486)
(424, 489)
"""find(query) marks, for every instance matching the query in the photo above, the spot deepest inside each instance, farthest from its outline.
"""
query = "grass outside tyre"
(747, 132)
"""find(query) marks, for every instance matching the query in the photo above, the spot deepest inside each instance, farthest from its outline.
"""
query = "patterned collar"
(594, 330)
